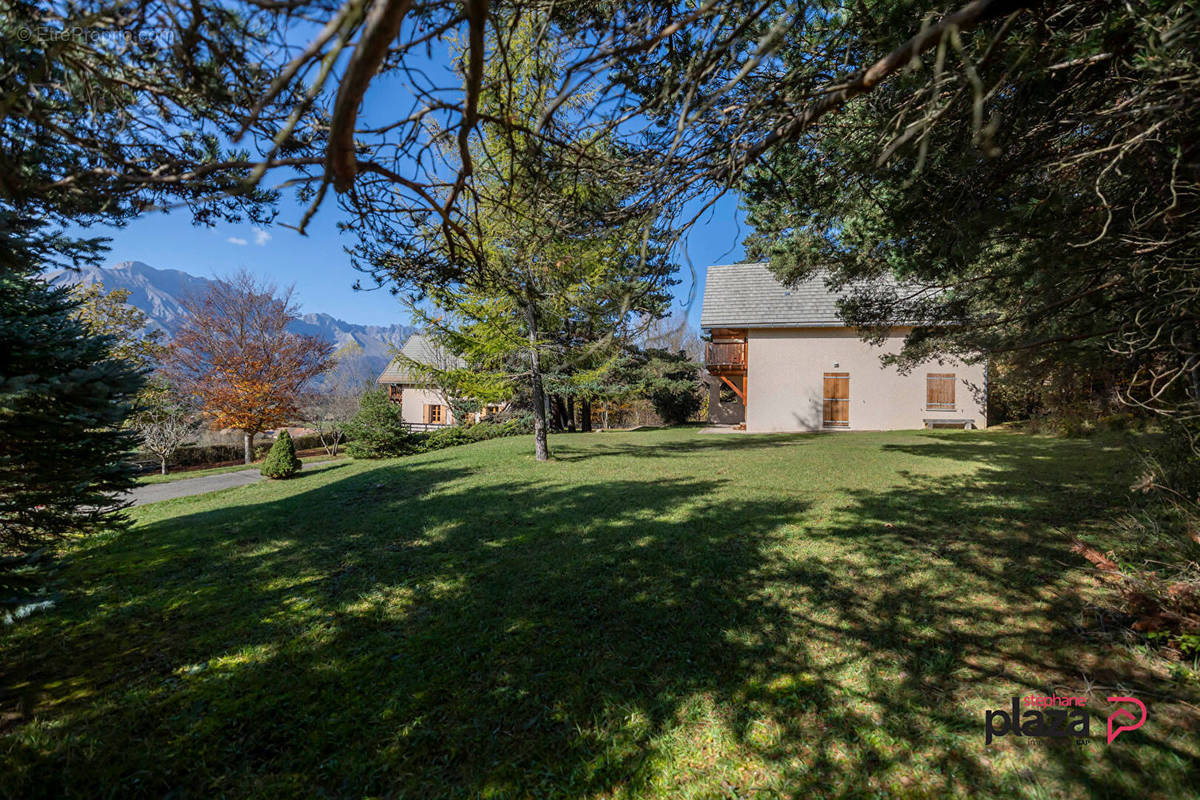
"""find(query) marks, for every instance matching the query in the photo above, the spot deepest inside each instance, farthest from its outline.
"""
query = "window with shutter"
(939, 391)
(837, 400)
(436, 417)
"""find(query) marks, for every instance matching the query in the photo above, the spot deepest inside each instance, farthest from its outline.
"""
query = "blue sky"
(320, 269)
(317, 263)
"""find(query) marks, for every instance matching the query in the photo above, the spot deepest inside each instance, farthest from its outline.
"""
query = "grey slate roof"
(750, 296)
(423, 350)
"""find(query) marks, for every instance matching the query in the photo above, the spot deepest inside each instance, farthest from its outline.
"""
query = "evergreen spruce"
(63, 397)
(281, 462)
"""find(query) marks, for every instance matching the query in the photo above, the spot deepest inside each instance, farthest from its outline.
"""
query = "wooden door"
(837, 400)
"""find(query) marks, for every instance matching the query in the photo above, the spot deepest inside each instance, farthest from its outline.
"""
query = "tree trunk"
(571, 413)
(164, 465)
(541, 447)
(558, 419)
(585, 416)
(249, 443)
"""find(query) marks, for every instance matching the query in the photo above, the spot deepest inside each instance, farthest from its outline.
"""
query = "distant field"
(662, 614)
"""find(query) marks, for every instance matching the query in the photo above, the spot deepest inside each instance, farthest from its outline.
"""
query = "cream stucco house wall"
(784, 361)
(422, 405)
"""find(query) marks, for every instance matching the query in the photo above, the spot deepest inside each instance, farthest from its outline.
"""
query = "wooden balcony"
(725, 357)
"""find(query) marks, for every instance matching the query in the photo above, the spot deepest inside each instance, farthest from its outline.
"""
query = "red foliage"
(236, 356)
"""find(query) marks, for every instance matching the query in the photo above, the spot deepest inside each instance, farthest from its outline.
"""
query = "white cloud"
(237, 240)
(261, 237)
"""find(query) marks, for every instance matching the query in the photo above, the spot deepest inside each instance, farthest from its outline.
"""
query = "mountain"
(160, 294)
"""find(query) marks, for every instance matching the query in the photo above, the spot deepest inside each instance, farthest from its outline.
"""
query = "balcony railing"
(725, 355)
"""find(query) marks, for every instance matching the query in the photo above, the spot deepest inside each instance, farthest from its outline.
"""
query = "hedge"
(199, 455)
(416, 442)
(479, 432)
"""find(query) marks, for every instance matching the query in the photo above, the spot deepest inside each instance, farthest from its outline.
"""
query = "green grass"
(660, 614)
(180, 475)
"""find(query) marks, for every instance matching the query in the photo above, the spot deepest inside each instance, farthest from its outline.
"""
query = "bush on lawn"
(479, 432)
(377, 430)
(444, 437)
(281, 461)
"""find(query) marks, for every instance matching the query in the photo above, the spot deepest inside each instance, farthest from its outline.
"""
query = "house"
(782, 360)
(422, 404)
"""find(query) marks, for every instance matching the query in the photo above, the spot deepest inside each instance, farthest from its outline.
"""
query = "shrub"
(444, 437)
(672, 383)
(377, 430)
(676, 406)
(281, 462)
(479, 432)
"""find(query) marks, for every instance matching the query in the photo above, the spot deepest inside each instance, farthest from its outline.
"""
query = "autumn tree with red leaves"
(235, 355)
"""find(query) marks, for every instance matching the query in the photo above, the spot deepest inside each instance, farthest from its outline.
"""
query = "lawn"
(662, 614)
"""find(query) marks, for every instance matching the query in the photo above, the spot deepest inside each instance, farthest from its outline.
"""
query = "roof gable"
(423, 350)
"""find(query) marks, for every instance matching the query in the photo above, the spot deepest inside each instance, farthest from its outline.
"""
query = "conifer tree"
(63, 397)
(281, 461)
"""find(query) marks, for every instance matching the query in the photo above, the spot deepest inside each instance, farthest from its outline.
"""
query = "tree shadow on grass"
(979, 599)
(569, 447)
(413, 632)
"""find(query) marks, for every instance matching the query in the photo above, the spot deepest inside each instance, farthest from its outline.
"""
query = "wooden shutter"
(836, 400)
(939, 391)
(427, 416)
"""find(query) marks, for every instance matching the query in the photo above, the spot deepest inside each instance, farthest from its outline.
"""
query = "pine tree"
(96, 131)
(281, 462)
(63, 397)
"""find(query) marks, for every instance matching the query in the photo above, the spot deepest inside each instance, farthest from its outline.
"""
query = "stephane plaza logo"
(1059, 717)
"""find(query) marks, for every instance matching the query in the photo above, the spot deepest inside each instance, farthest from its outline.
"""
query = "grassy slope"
(662, 614)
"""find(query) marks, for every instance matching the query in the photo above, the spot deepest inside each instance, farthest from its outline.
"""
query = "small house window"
(434, 414)
(939, 391)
